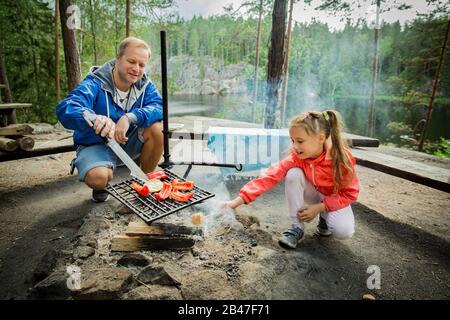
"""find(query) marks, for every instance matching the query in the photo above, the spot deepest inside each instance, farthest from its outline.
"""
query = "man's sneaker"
(100, 195)
(322, 228)
(291, 237)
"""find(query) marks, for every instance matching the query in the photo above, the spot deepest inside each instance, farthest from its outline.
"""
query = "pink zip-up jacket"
(317, 171)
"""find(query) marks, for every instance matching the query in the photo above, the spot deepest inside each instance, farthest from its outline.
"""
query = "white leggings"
(300, 191)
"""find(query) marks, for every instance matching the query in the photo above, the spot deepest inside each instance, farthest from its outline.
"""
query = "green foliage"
(443, 149)
(439, 148)
(396, 130)
(26, 38)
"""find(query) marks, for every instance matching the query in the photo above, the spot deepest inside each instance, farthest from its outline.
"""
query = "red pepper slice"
(185, 185)
(157, 175)
(178, 196)
(142, 190)
(165, 192)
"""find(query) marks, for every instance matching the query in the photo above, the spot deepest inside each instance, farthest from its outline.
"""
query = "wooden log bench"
(13, 137)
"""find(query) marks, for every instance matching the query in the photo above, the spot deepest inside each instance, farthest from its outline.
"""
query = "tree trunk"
(11, 118)
(72, 58)
(286, 66)
(258, 40)
(57, 80)
(128, 19)
(4, 78)
(435, 86)
(80, 46)
(371, 117)
(116, 28)
(94, 43)
(275, 61)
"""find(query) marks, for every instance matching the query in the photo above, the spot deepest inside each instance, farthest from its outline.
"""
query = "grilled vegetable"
(165, 192)
(154, 185)
(184, 185)
(142, 190)
(179, 196)
(157, 175)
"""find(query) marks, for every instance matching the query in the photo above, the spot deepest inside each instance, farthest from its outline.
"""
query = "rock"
(270, 259)
(134, 260)
(207, 285)
(256, 280)
(93, 226)
(246, 220)
(204, 257)
(41, 128)
(162, 275)
(51, 288)
(211, 78)
(195, 251)
(83, 252)
(153, 292)
(123, 209)
(87, 241)
(45, 266)
(108, 283)
(368, 296)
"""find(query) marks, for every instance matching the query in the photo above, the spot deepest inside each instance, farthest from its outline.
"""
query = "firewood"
(8, 144)
(136, 243)
(25, 143)
(157, 229)
(16, 130)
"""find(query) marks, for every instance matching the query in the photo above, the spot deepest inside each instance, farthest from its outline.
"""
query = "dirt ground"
(401, 227)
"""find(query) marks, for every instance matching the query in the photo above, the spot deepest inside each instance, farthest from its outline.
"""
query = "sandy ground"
(402, 227)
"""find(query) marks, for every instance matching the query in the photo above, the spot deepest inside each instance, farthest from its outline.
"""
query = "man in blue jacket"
(128, 108)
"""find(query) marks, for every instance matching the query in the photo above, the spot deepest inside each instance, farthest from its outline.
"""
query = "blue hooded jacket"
(95, 94)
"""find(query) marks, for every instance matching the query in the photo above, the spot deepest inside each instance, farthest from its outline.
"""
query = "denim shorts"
(100, 155)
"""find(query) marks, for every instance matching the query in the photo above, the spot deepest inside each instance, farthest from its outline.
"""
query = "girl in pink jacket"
(319, 170)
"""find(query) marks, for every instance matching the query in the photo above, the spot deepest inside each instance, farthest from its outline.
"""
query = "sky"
(304, 13)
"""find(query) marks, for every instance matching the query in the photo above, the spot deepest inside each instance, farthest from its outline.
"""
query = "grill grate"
(148, 208)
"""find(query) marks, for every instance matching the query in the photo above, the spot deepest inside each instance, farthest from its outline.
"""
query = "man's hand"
(121, 130)
(104, 126)
(308, 213)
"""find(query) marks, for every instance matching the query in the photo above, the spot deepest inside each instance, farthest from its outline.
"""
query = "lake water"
(353, 110)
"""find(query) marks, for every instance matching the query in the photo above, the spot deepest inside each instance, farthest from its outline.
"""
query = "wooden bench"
(8, 109)
(431, 176)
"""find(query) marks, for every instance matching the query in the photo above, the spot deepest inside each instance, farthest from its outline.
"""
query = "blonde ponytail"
(341, 162)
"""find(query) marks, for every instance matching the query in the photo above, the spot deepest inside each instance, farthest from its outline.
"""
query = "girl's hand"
(308, 213)
(236, 202)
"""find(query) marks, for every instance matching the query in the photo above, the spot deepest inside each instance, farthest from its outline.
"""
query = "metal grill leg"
(187, 171)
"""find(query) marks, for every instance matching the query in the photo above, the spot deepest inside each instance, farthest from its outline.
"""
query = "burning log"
(137, 243)
(158, 236)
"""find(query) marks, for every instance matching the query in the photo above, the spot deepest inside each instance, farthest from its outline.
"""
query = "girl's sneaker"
(322, 228)
(291, 237)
